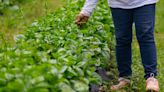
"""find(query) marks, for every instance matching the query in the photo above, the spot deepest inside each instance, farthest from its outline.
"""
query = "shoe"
(152, 85)
(122, 83)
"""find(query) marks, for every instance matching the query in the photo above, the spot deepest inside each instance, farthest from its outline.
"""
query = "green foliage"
(54, 55)
(10, 4)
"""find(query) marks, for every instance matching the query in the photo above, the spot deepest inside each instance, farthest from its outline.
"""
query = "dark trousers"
(144, 20)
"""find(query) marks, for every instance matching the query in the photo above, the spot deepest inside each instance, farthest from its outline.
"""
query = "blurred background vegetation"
(16, 15)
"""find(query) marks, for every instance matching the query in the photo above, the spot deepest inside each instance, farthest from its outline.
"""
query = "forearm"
(89, 7)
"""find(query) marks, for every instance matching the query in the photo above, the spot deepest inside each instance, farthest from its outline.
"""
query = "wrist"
(85, 13)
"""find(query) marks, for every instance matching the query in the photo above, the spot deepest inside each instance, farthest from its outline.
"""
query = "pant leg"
(144, 18)
(123, 20)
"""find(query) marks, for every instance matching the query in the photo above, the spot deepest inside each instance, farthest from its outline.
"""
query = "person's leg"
(123, 20)
(144, 18)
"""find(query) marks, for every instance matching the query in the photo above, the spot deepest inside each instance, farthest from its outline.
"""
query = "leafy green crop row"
(54, 55)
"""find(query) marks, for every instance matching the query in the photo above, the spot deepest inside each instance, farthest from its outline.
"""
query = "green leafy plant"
(54, 55)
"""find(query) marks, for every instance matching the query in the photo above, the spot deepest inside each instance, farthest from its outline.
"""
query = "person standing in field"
(125, 13)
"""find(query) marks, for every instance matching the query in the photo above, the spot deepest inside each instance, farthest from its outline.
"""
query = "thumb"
(78, 19)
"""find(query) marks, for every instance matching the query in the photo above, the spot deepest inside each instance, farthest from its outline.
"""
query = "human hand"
(81, 19)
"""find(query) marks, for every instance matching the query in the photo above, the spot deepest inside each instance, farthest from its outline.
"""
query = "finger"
(85, 19)
(77, 20)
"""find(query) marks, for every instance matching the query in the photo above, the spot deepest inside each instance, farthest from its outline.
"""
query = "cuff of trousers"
(150, 75)
(127, 79)
(86, 13)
